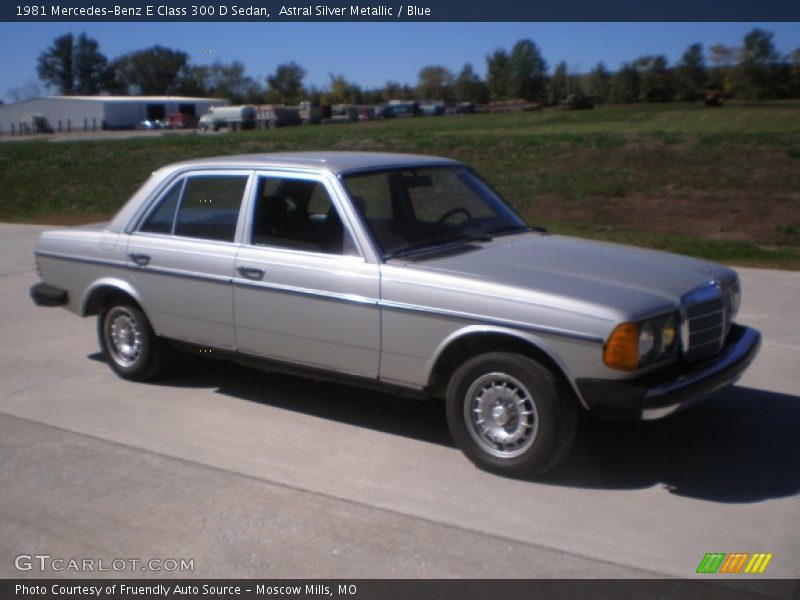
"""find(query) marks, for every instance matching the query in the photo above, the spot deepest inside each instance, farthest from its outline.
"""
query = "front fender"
(537, 343)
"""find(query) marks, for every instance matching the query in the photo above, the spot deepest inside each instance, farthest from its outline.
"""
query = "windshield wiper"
(509, 229)
(439, 244)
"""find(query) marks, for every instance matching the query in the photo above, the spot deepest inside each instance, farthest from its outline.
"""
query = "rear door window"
(199, 206)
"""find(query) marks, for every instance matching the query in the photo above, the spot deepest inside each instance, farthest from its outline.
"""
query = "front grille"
(708, 325)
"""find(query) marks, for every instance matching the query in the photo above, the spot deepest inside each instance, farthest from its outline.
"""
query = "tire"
(272, 124)
(128, 343)
(510, 415)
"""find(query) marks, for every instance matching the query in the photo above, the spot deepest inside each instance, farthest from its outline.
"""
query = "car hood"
(633, 280)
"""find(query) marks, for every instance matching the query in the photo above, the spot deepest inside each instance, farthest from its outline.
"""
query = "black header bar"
(397, 10)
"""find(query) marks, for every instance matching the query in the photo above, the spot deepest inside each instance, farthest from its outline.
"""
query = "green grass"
(716, 183)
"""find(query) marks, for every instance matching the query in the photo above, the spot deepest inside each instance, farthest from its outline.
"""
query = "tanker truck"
(234, 117)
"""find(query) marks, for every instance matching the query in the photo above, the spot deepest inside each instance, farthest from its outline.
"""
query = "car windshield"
(417, 210)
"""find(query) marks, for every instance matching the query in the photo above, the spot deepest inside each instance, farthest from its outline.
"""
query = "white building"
(94, 113)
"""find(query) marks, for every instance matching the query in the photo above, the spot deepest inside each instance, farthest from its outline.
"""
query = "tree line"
(74, 65)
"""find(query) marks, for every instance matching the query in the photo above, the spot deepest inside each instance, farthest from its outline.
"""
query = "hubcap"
(501, 415)
(122, 336)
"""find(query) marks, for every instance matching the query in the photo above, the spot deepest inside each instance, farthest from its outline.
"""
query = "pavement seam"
(325, 495)
(17, 272)
(10, 393)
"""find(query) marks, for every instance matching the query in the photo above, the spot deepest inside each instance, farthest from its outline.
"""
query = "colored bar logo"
(734, 563)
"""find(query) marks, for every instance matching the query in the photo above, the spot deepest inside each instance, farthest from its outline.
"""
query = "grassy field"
(721, 183)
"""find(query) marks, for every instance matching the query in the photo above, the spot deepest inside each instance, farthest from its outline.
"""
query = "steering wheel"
(451, 213)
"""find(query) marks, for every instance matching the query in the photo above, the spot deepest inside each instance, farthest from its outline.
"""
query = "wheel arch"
(103, 289)
(474, 340)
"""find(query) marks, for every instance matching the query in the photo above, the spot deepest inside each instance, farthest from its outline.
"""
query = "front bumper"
(659, 394)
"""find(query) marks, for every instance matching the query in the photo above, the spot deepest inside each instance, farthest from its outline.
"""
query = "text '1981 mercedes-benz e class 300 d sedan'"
(408, 273)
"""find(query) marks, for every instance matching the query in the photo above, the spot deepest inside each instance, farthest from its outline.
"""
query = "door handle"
(140, 259)
(251, 273)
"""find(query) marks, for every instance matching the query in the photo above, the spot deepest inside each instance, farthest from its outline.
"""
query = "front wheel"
(510, 415)
(127, 341)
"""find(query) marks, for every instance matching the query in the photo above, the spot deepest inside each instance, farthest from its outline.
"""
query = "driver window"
(298, 214)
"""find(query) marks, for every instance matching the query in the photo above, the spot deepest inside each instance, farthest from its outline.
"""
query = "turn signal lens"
(622, 348)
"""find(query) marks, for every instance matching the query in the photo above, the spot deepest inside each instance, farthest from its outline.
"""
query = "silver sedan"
(406, 273)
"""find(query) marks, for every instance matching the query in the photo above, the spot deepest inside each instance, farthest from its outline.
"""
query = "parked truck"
(270, 116)
(400, 108)
(181, 120)
(234, 117)
(310, 114)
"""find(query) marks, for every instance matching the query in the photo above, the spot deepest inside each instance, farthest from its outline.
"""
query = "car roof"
(334, 162)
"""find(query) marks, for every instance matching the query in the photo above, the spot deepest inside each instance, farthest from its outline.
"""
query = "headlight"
(735, 297)
(632, 346)
(647, 340)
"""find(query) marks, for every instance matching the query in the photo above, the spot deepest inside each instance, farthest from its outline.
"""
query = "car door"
(182, 257)
(303, 291)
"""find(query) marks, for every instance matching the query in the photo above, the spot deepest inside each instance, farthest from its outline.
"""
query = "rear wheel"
(510, 415)
(127, 340)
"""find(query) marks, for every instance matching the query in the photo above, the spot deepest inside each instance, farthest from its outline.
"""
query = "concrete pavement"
(253, 474)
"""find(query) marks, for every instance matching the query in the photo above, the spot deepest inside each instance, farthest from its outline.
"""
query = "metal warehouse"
(94, 113)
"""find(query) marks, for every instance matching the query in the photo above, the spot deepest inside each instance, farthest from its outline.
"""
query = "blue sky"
(371, 53)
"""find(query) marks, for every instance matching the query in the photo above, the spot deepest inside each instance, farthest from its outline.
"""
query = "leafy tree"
(230, 81)
(286, 85)
(56, 65)
(723, 56)
(74, 66)
(559, 83)
(372, 96)
(527, 72)
(599, 83)
(691, 76)
(723, 77)
(756, 68)
(193, 81)
(794, 74)
(153, 71)
(434, 83)
(655, 82)
(468, 87)
(498, 75)
(342, 91)
(92, 73)
(575, 83)
(625, 84)
(759, 48)
(396, 91)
